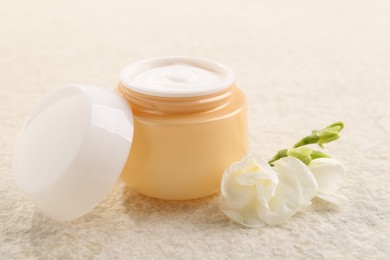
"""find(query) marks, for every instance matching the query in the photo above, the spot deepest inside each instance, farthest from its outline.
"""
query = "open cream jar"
(189, 125)
(174, 126)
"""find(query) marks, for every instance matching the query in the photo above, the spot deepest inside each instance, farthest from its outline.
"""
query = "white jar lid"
(177, 77)
(72, 149)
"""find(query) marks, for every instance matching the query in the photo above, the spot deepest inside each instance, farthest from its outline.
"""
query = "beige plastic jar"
(190, 123)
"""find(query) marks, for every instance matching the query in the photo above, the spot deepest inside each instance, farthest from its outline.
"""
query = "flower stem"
(326, 135)
(280, 154)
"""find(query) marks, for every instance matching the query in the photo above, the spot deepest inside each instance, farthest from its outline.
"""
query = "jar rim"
(215, 75)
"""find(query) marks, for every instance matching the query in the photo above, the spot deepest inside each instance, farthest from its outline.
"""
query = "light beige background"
(302, 64)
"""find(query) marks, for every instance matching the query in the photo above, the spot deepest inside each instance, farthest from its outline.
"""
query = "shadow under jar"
(190, 123)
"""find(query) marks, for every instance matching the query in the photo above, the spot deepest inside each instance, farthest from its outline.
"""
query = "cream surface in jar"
(190, 123)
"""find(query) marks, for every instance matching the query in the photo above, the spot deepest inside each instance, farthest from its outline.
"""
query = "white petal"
(246, 216)
(265, 192)
(333, 198)
(237, 196)
(264, 186)
(247, 164)
(245, 180)
(286, 202)
(329, 174)
(265, 167)
(291, 165)
(252, 178)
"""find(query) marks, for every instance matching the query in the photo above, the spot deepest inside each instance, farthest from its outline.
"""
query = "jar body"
(179, 156)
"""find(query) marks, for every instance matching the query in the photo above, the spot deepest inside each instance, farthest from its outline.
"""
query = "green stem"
(326, 135)
(280, 154)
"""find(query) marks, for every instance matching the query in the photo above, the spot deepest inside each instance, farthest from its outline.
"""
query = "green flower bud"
(337, 126)
(301, 153)
(311, 139)
(318, 154)
(320, 137)
(327, 136)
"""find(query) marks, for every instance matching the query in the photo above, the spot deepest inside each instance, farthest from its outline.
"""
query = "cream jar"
(170, 132)
(190, 123)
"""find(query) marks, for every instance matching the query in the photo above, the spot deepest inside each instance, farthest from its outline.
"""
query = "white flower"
(329, 174)
(255, 193)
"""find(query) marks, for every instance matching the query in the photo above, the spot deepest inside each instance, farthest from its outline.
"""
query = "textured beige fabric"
(302, 64)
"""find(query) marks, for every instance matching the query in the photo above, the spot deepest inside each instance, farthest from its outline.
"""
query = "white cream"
(177, 77)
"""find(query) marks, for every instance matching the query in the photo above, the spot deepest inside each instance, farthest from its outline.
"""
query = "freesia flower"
(258, 193)
(329, 174)
(255, 194)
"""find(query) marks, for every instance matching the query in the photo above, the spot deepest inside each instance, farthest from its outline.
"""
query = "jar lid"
(72, 149)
